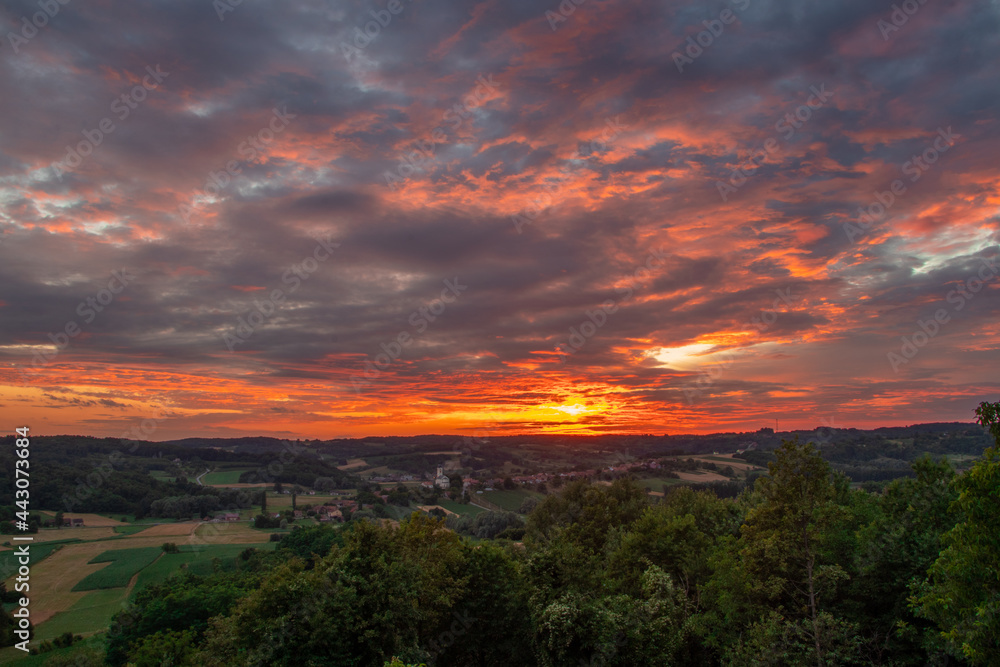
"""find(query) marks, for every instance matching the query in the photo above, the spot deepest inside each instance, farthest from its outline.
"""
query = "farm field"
(353, 464)
(194, 560)
(79, 584)
(90, 613)
(223, 477)
(124, 564)
(511, 500)
(460, 508)
(37, 553)
(657, 483)
(11, 654)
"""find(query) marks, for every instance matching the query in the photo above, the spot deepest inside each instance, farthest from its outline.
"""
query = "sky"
(323, 219)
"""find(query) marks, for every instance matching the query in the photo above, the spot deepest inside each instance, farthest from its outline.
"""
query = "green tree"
(899, 544)
(490, 624)
(962, 591)
(384, 593)
(678, 535)
(788, 555)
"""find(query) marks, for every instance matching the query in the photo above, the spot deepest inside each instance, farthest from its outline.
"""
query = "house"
(441, 481)
(76, 522)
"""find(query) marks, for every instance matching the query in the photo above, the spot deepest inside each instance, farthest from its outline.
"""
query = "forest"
(800, 568)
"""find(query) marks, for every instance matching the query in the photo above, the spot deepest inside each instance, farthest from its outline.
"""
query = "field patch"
(36, 554)
(511, 500)
(129, 530)
(197, 560)
(460, 508)
(124, 564)
(223, 477)
(657, 483)
(90, 613)
(170, 530)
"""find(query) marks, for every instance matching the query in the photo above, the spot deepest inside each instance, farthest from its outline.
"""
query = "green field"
(657, 483)
(223, 477)
(131, 530)
(511, 500)
(11, 654)
(124, 564)
(91, 613)
(196, 561)
(36, 553)
(461, 509)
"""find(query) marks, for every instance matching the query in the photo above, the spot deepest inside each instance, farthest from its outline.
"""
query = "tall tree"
(786, 549)
(962, 592)
(898, 545)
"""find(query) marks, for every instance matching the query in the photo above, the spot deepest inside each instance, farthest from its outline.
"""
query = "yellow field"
(52, 579)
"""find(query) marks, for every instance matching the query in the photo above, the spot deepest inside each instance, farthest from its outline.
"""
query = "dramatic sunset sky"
(551, 156)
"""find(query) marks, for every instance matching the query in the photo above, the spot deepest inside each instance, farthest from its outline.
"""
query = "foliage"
(962, 592)
(791, 568)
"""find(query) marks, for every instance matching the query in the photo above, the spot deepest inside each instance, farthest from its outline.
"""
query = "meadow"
(124, 564)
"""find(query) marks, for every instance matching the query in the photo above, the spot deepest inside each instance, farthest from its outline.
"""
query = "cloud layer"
(346, 218)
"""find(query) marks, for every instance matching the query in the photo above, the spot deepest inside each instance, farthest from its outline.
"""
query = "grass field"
(196, 561)
(11, 655)
(461, 509)
(130, 530)
(511, 500)
(657, 483)
(223, 477)
(124, 564)
(36, 553)
(91, 613)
